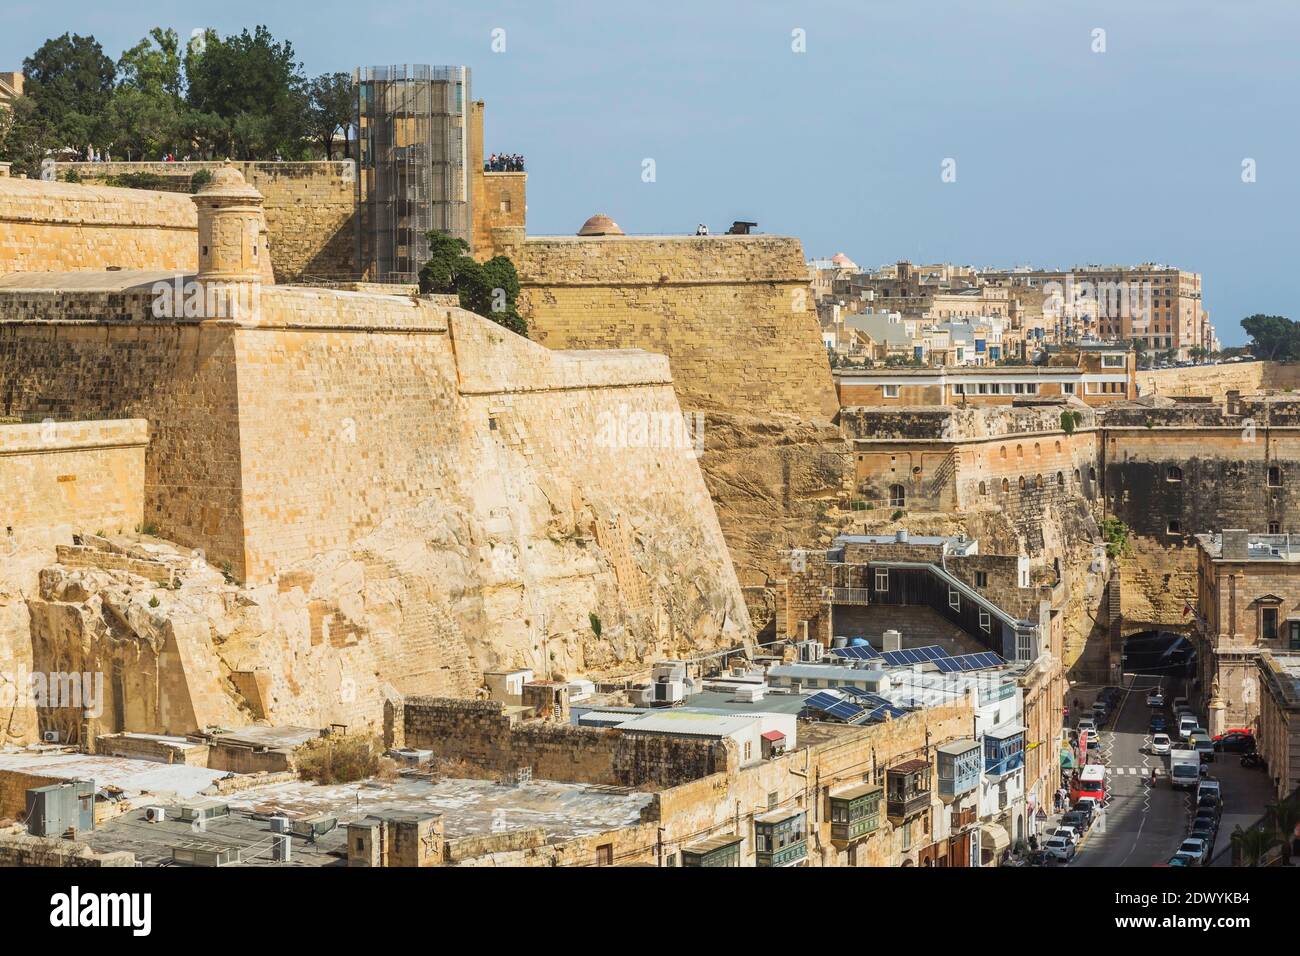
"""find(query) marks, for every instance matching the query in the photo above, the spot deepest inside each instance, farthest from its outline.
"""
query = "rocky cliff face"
(417, 607)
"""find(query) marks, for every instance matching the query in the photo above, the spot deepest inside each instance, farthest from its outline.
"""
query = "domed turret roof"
(843, 261)
(600, 225)
(227, 181)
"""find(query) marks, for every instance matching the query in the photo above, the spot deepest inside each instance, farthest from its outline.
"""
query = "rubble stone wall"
(481, 734)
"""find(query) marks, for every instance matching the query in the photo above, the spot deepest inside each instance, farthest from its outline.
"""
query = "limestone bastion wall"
(1217, 380)
(73, 474)
(734, 316)
(57, 227)
(404, 495)
(309, 206)
(55, 478)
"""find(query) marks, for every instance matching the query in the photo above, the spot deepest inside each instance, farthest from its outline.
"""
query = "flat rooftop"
(133, 777)
(954, 544)
(687, 723)
(726, 702)
(468, 807)
(119, 280)
(274, 738)
(1259, 547)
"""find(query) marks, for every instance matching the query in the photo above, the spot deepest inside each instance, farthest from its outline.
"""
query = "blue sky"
(1063, 155)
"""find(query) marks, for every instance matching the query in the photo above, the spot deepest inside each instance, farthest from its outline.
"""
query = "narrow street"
(1143, 825)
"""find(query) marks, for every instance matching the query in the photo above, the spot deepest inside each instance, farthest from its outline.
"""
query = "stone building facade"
(1278, 734)
(1248, 602)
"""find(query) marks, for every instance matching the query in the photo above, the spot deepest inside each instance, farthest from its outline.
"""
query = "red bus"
(1090, 781)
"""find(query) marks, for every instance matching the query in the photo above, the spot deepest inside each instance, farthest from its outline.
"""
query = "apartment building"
(1158, 305)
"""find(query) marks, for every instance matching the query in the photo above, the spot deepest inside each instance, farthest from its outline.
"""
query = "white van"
(1186, 724)
(1209, 786)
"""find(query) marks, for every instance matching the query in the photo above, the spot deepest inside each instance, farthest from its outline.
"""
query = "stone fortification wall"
(401, 495)
(734, 316)
(1217, 380)
(310, 208)
(57, 227)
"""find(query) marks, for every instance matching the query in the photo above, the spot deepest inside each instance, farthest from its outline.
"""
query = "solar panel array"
(969, 662)
(914, 655)
(864, 708)
(857, 652)
(837, 707)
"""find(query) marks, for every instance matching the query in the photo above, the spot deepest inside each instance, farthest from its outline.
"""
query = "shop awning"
(994, 838)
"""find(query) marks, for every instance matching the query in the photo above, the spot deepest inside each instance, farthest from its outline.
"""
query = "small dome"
(840, 259)
(228, 181)
(600, 225)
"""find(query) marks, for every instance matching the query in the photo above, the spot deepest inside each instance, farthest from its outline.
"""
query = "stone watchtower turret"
(233, 246)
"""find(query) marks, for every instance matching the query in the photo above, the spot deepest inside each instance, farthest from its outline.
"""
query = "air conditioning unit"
(50, 736)
(669, 691)
(279, 824)
(154, 814)
(810, 652)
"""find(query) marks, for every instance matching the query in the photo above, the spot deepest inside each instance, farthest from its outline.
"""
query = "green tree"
(1249, 846)
(1284, 816)
(154, 64)
(143, 125)
(488, 289)
(25, 136)
(446, 255)
(1115, 533)
(70, 83)
(146, 114)
(330, 110)
(1272, 337)
(256, 88)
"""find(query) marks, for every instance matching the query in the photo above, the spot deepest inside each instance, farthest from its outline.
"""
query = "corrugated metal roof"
(688, 724)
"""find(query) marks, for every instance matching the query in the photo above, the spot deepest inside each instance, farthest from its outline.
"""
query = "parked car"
(1155, 699)
(1203, 745)
(1203, 831)
(1070, 835)
(1235, 741)
(1195, 848)
(1158, 723)
(1206, 819)
(1210, 787)
(1160, 743)
(1088, 724)
(1088, 807)
(1094, 748)
(1059, 849)
(1210, 802)
(1076, 821)
(1186, 724)
(1182, 859)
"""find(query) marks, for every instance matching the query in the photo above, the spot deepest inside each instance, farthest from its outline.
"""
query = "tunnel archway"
(1159, 654)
